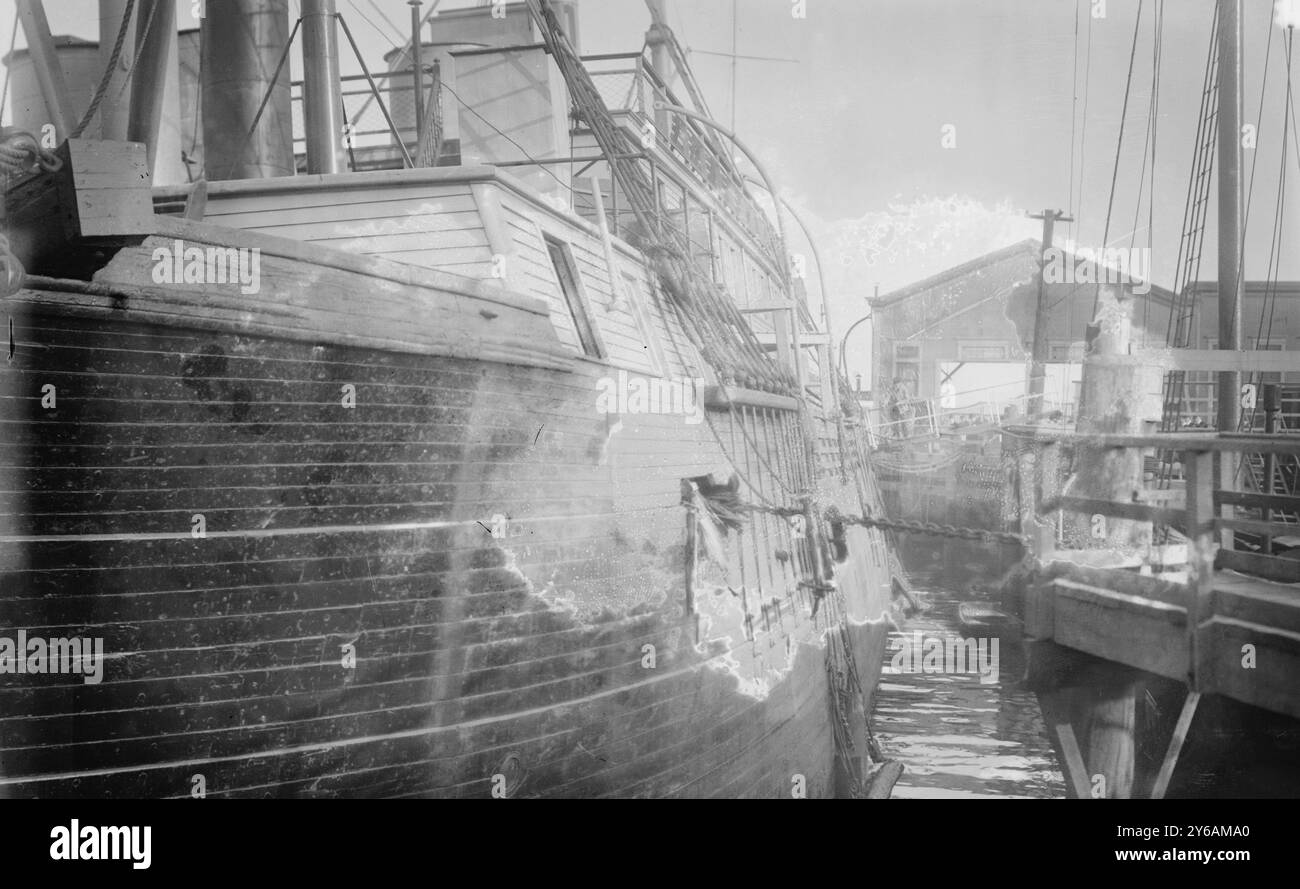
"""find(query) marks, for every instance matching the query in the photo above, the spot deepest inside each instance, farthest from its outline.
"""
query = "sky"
(916, 134)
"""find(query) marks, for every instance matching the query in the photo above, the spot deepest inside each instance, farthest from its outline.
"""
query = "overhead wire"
(1153, 122)
(470, 108)
(1119, 145)
(383, 15)
(1074, 107)
(1083, 128)
(369, 21)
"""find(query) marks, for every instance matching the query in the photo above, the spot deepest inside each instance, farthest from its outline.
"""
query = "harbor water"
(961, 735)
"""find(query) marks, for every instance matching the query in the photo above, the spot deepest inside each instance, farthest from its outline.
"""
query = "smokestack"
(242, 42)
(321, 93)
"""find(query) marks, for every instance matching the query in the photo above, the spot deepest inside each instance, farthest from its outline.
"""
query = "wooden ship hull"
(366, 533)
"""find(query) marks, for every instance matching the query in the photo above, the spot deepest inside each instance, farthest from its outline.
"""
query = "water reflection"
(956, 736)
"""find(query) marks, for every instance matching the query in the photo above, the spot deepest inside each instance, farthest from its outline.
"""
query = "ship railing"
(368, 140)
(630, 87)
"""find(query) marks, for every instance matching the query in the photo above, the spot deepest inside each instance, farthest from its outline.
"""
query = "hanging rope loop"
(21, 153)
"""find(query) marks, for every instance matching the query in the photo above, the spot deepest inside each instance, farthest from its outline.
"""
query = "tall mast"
(1230, 280)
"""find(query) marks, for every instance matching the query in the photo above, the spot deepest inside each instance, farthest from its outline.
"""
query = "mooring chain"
(932, 528)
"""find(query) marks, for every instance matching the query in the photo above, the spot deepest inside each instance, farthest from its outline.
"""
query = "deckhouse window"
(566, 274)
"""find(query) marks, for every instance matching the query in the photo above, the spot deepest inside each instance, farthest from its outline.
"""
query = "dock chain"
(932, 528)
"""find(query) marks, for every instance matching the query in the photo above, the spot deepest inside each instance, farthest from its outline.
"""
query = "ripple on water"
(958, 738)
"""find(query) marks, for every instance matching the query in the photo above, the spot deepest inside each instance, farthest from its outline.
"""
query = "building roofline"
(1029, 246)
(61, 41)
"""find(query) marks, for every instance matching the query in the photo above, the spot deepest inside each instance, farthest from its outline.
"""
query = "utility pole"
(1038, 354)
(1230, 283)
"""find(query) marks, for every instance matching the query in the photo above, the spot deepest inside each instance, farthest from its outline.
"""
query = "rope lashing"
(20, 154)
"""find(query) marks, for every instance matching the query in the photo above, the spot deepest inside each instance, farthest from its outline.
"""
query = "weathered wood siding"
(518, 653)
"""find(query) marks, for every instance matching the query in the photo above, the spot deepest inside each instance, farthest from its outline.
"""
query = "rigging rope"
(143, 40)
(1083, 126)
(111, 67)
(719, 331)
(1153, 119)
(1119, 145)
(1074, 104)
(1178, 330)
(1263, 340)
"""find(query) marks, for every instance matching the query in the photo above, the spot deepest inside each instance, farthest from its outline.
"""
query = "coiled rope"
(20, 154)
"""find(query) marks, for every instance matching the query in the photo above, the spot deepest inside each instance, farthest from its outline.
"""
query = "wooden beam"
(49, 73)
(1056, 718)
(1252, 361)
(723, 397)
(1202, 545)
(1255, 526)
(1112, 749)
(1282, 502)
(1138, 512)
(786, 353)
(808, 340)
(498, 234)
(1204, 360)
(1176, 741)
(771, 305)
(1270, 567)
(1281, 443)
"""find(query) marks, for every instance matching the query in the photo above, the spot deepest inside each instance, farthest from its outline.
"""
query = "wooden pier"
(1211, 615)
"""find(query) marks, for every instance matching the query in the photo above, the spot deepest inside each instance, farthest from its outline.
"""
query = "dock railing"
(927, 418)
(1209, 510)
(1227, 593)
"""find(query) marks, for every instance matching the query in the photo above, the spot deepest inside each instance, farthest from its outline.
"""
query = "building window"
(566, 274)
(981, 352)
(1067, 352)
(907, 371)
